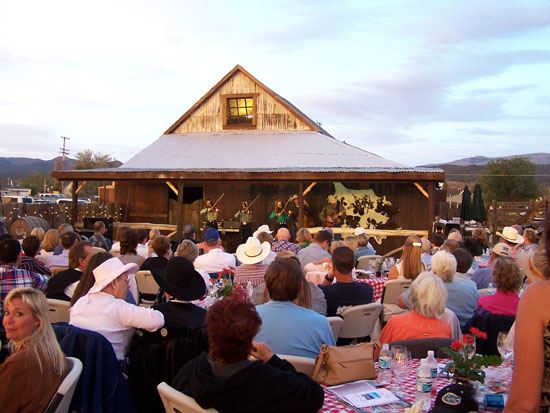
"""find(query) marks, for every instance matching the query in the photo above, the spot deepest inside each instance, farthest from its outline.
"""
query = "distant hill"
(540, 158)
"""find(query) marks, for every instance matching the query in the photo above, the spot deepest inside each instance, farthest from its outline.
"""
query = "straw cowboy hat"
(107, 272)
(262, 228)
(533, 264)
(253, 252)
(332, 199)
(181, 280)
(511, 235)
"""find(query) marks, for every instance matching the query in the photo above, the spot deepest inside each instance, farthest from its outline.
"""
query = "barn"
(243, 140)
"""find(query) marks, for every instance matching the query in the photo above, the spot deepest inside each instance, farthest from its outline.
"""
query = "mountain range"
(540, 158)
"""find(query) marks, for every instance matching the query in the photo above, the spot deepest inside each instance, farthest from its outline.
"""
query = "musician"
(278, 215)
(209, 215)
(333, 213)
(245, 217)
(294, 214)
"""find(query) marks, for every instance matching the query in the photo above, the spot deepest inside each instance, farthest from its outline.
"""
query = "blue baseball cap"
(211, 234)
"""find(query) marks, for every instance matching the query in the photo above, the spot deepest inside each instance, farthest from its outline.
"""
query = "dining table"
(500, 376)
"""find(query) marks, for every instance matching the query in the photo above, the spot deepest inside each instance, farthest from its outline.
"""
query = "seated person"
(286, 327)
(345, 292)
(29, 378)
(426, 253)
(363, 246)
(410, 264)
(98, 239)
(484, 276)
(31, 247)
(181, 284)
(427, 297)
(251, 255)
(463, 264)
(63, 285)
(317, 251)
(214, 258)
(161, 247)
(68, 239)
(104, 310)
(507, 277)
(225, 378)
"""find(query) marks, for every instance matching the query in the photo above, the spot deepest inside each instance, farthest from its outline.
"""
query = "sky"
(417, 82)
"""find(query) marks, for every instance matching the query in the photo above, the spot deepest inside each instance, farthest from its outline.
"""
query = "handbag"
(338, 365)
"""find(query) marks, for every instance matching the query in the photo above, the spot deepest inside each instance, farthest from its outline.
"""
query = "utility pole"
(63, 153)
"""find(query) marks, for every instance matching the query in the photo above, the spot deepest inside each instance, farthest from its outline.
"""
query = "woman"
(38, 233)
(427, 298)
(51, 240)
(410, 264)
(267, 237)
(128, 248)
(161, 247)
(303, 238)
(530, 390)
(31, 375)
(188, 249)
(228, 381)
(278, 215)
(352, 242)
(529, 240)
(87, 279)
(507, 277)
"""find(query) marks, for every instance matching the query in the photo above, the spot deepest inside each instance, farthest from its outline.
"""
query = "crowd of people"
(285, 313)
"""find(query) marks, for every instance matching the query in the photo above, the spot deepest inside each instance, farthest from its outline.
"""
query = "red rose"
(456, 345)
(468, 339)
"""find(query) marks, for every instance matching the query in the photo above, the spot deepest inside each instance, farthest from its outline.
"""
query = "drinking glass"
(469, 342)
(400, 363)
(504, 348)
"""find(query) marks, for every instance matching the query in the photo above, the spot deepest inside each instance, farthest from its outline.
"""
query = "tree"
(37, 182)
(88, 159)
(510, 180)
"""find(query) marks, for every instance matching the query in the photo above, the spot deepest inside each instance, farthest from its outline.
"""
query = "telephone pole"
(63, 152)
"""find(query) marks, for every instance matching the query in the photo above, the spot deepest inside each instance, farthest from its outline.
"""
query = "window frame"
(253, 96)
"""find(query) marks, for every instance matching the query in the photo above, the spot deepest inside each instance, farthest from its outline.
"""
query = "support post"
(301, 204)
(179, 231)
(75, 203)
(431, 207)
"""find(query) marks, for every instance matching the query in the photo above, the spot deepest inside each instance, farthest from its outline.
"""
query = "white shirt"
(142, 250)
(61, 260)
(113, 318)
(215, 261)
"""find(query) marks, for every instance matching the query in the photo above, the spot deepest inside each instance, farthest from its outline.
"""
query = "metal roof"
(258, 151)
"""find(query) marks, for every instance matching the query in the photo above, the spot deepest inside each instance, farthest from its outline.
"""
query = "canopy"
(466, 209)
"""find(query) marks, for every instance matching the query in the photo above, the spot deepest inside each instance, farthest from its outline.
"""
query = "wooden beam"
(431, 209)
(179, 230)
(172, 187)
(377, 232)
(421, 189)
(74, 212)
(301, 204)
(81, 186)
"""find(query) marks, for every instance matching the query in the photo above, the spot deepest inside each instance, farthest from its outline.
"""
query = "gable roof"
(289, 106)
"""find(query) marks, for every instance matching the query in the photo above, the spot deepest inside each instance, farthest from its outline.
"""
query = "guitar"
(332, 220)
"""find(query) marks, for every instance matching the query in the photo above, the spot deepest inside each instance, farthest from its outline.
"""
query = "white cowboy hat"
(253, 252)
(533, 264)
(107, 272)
(359, 231)
(332, 199)
(511, 235)
(262, 228)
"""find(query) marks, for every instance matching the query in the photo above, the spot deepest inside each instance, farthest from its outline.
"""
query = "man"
(251, 256)
(333, 213)
(450, 245)
(244, 215)
(143, 236)
(189, 234)
(283, 242)
(484, 276)
(287, 327)
(317, 251)
(463, 264)
(63, 285)
(104, 310)
(294, 214)
(209, 215)
(98, 239)
(511, 237)
(214, 258)
(364, 248)
(63, 228)
(12, 277)
(68, 239)
(31, 248)
(345, 292)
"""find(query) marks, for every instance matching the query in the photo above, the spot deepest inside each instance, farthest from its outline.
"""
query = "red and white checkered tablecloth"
(408, 386)
(377, 284)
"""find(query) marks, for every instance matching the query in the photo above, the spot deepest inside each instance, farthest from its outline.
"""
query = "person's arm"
(531, 320)
(323, 215)
(402, 301)
(140, 317)
(394, 273)
(40, 281)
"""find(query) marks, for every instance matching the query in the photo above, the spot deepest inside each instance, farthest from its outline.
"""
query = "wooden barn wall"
(145, 202)
(270, 115)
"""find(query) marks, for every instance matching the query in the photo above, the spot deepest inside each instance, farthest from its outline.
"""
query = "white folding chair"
(367, 262)
(176, 402)
(99, 249)
(336, 324)
(59, 310)
(304, 365)
(392, 290)
(62, 398)
(146, 284)
(359, 320)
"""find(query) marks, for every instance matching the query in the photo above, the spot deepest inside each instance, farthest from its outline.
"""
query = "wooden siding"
(270, 114)
(143, 202)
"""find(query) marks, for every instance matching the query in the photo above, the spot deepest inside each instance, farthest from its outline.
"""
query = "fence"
(56, 214)
(502, 214)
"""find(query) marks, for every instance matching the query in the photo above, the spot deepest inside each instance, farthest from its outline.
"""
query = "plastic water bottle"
(384, 365)
(249, 290)
(432, 364)
(424, 384)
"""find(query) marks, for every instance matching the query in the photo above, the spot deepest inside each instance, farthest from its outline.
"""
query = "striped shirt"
(255, 273)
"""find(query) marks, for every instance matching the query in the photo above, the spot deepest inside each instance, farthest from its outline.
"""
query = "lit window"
(240, 111)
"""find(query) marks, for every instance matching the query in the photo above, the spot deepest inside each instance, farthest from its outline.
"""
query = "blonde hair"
(428, 295)
(51, 240)
(42, 341)
(351, 242)
(187, 249)
(336, 244)
(411, 263)
(303, 235)
(153, 233)
(444, 266)
(530, 235)
(38, 233)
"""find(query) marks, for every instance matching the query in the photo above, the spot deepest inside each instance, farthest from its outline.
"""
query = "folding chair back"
(176, 402)
(304, 365)
(359, 320)
(59, 310)
(336, 324)
(367, 262)
(62, 398)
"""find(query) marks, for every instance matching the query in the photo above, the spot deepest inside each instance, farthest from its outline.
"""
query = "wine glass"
(400, 362)
(504, 348)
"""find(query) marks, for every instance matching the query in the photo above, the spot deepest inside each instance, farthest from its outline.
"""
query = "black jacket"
(58, 283)
(259, 387)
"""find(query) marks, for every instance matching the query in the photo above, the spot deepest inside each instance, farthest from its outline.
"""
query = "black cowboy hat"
(181, 280)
